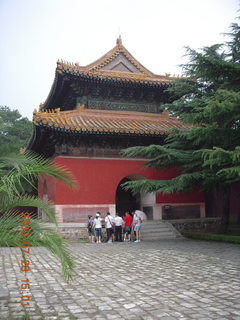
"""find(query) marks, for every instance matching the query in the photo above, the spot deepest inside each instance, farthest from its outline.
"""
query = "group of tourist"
(117, 228)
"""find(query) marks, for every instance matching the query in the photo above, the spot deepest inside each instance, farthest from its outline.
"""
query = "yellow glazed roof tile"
(96, 121)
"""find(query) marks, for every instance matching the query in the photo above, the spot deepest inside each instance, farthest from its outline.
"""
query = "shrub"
(212, 237)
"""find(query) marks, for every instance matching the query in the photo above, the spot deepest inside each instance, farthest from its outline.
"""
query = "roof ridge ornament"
(80, 106)
(119, 41)
(165, 114)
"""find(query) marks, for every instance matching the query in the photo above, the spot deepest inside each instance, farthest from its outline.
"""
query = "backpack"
(90, 225)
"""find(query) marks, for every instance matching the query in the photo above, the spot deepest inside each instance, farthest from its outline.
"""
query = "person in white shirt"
(109, 223)
(135, 218)
(118, 227)
(97, 224)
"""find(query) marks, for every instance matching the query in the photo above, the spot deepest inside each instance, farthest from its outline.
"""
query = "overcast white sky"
(36, 33)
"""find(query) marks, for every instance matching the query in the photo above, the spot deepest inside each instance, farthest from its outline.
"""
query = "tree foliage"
(208, 100)
(15, 131)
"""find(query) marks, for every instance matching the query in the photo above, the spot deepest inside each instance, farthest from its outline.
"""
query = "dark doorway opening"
(125, 200)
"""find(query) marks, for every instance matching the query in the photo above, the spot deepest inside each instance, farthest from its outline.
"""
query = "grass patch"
(212, 237)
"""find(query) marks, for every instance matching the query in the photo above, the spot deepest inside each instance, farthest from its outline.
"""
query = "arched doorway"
(125, 200)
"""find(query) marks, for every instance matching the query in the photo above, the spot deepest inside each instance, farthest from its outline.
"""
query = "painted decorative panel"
(123, 106)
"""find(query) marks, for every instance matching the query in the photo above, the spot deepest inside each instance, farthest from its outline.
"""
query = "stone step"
(158, 237)
(156, 232)
(157, 227)
(153, 230)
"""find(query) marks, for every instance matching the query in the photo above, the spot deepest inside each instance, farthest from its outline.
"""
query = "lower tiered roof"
(93, 121)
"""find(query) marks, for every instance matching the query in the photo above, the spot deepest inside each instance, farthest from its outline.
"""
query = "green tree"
(15, 131)
(208, 100)
(24, 169)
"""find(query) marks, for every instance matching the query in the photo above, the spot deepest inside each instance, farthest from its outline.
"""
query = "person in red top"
(128, 220)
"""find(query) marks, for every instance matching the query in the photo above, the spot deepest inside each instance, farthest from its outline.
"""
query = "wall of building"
(98, 180)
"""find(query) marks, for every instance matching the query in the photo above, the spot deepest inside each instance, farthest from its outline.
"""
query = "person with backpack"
(90, 229)
(109, 223)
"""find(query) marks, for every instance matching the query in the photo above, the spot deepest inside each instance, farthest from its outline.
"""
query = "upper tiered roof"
(117, 64)
(117, 67)
(115, 96)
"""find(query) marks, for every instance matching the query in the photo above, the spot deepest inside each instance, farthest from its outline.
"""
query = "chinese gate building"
(89, 116)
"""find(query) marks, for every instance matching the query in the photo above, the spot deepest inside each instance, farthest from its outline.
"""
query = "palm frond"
(28, 166)
(30, 201)
(40, 235)
(16, 172)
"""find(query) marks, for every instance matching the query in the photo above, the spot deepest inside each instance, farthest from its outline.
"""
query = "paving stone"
(168, 279)
(129, 306)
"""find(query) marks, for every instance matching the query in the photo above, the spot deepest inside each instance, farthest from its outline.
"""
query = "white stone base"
(79, 213)
(69, 214)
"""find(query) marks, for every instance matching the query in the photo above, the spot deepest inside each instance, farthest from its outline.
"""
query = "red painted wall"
(190, 197)
(98, 180)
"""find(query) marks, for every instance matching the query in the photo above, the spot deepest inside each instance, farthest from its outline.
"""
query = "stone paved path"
(167, 279)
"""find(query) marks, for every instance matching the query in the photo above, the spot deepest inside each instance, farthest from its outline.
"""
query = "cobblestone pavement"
(168, 279)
